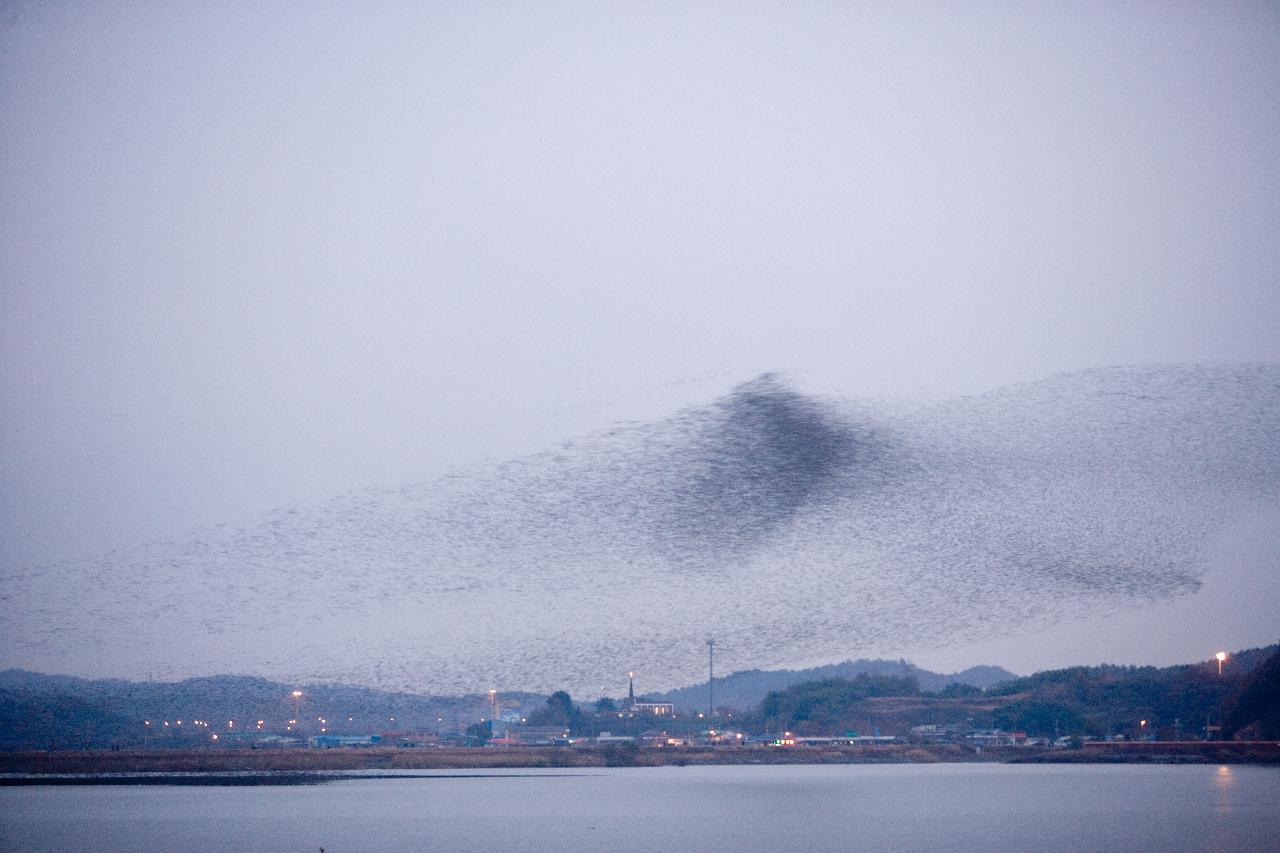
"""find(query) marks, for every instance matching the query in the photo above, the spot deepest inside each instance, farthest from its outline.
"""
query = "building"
(537, 735)
(994, 737)
(641, 708)
(331, 741)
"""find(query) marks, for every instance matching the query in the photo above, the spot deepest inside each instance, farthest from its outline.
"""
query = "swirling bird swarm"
(794, 528)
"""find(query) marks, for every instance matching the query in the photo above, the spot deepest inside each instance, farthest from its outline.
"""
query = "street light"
(1221, 656)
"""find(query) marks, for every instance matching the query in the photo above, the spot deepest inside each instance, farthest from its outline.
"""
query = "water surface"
(962, 807)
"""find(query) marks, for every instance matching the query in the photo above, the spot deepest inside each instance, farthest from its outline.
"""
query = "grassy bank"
(304, 760)
(1166, 752)
(159, 761)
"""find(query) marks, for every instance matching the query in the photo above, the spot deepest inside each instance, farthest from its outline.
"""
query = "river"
(958, 807)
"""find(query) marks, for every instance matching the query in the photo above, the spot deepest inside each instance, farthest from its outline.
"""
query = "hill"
(61, 712)
(1255, 711)
(744, 690)
(1175, 702)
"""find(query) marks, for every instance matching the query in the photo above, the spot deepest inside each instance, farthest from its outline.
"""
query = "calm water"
(853, 807)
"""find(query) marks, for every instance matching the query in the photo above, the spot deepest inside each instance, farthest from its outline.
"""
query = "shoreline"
(237, 765)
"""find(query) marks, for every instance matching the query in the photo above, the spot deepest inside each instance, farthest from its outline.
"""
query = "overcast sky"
(256, 254)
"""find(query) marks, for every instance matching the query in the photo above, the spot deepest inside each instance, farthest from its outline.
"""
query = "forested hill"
(1175, 702)
(1178, 699)
(1073, 679)
(40, 711)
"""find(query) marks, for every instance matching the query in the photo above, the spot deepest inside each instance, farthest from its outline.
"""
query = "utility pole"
(711, 677)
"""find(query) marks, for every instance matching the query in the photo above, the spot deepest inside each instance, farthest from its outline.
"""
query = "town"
(873, 714)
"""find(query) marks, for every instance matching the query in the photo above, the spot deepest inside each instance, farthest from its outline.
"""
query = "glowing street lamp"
(1221, 656)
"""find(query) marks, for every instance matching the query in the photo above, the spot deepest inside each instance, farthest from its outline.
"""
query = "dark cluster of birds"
(794, 529)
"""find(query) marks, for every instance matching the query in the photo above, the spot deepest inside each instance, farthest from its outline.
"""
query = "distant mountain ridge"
(52, 712)
(42, 711)
(745, 689)
(39, 711)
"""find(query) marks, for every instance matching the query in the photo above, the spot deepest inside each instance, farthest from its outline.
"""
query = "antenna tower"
(711, 677)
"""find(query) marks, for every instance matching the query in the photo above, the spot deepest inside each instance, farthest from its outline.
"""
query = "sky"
(260, 254)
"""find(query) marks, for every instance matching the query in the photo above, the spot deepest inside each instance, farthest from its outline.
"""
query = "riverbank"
(1165, 752)
(390, 758)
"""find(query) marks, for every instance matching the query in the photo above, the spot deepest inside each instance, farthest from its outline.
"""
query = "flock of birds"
(794, 529)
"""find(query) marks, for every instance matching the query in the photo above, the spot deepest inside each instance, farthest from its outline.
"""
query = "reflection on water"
(1223, 783)
(899, 807)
